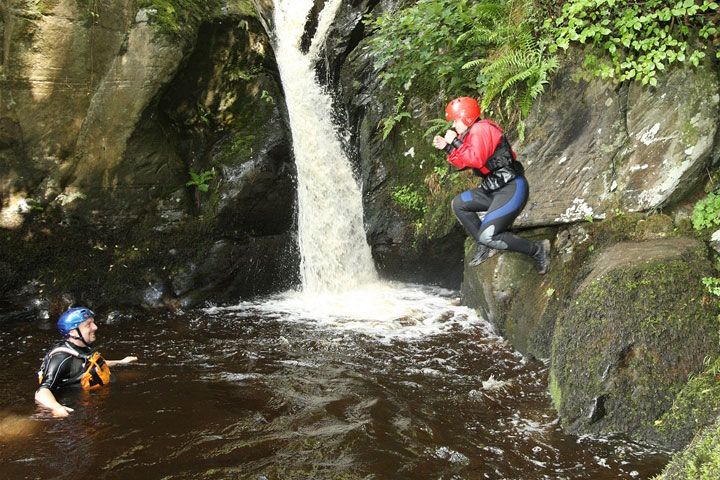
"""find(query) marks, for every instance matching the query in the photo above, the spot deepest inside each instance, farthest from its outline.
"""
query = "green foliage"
(712, 284)
(34, 205)
(638, 38)
(389, 123)
(438, 126)
(706, 213)
(200, 180)
(444, 42)
(408, 197)
(424, 46)
(267, 97)
(516, 73)
(177, 17)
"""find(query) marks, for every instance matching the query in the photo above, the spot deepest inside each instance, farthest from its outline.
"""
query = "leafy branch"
(639, 39)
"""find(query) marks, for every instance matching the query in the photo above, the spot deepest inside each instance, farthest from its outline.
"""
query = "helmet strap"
(80, 337)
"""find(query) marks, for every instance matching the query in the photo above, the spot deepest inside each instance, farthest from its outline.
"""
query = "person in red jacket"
(481, 145)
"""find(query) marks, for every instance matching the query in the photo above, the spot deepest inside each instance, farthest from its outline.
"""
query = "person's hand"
(62, 411)
(450, 135)
(127, 360)
(439, 142)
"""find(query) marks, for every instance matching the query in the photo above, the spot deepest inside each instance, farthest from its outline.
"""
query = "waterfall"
(334, 254)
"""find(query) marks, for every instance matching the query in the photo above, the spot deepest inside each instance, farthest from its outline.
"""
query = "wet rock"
(153, 295)
(598, 409)
(232, 270)
(507, 290)
(569, 239)
(701, 455)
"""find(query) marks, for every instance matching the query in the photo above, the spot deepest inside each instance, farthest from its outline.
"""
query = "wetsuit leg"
(507, 203)
(466, 207)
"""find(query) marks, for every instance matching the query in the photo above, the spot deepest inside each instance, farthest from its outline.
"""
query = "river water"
(269, 390)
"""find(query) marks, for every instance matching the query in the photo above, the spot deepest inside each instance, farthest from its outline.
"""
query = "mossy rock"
(639, 325)
(522, 305)
(700, 460)
(508, 292)
(695, 406)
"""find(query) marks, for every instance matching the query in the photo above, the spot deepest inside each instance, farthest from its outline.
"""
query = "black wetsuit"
(503, 206)
(503, 192)
(62, 369)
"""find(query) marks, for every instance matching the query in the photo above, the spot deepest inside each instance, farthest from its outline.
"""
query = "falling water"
(334, 254)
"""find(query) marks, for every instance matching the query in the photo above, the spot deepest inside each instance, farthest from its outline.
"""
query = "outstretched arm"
(45, 397)
(124, 361)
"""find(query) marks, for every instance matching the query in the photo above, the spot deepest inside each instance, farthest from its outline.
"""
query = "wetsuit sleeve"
(478, 145)
(57, 368)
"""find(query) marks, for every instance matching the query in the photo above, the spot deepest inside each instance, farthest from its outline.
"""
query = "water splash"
(334, 254)
(382, 311)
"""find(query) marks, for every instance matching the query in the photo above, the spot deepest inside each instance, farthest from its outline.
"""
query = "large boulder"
(622, 319)
(508, 292)
(637, 326)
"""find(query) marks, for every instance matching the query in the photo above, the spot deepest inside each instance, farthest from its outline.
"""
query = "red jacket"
(479, 143)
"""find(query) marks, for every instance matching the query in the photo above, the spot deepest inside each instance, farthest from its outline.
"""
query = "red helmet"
(465, 109)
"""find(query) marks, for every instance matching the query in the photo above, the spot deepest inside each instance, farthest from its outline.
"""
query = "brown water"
(238, 394)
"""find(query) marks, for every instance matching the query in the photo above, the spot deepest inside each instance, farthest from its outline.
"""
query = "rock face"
(622, 316)
(398, 252)
(104, 115)
(592, 147)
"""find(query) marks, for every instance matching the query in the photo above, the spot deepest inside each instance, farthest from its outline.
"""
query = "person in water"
(73, 361)
(482, 146)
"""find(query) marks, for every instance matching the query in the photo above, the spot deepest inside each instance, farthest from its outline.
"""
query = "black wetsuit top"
(63, 369)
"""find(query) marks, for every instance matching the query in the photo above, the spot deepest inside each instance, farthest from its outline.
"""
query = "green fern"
(512, 80)
(438, 126)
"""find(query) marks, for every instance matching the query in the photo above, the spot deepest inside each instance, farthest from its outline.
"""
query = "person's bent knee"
(484, 237)
(487, 238)
(459, 204)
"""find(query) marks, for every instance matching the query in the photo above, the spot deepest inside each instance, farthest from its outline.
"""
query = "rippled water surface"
(270, 390)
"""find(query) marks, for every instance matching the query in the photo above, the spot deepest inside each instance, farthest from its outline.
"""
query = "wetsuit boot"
(482, 253)
(542, 257)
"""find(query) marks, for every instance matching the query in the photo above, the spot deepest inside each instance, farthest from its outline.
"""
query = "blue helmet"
(70, 320)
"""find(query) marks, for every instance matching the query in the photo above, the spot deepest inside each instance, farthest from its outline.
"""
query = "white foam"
(383, 310)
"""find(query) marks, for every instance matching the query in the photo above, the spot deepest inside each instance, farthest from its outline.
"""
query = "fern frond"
(474, 63)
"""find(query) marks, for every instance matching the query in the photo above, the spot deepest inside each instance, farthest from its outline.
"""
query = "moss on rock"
(638, 327)
(696, 405)
(179, 17)
(700, 460)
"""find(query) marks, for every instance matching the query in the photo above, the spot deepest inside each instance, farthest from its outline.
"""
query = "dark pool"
(248, 394)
